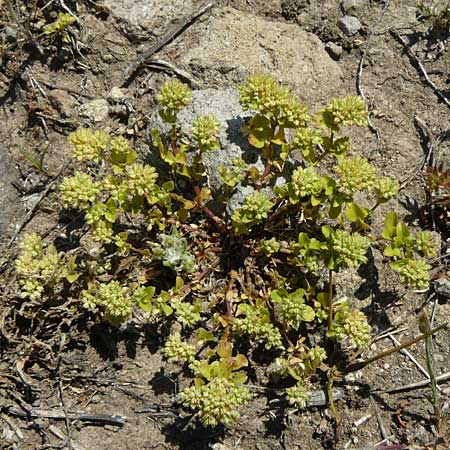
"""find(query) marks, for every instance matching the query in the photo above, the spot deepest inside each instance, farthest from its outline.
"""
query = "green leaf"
(327, 231)
(308, 314)
(240, 378)
(184, 170)
(166, 309)
(206, 370)
(278, 294)
(255, 142)
(315, 201)
(356, 213)
(303, 239)
(168, 186)
(390, 225)
(205, 336)
(238, 362)
(390, 250)
(396, 265)
(224, 349)
(179, 283)
(73, 277)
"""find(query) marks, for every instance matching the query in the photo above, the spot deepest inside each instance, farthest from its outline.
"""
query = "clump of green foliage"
(148, 244)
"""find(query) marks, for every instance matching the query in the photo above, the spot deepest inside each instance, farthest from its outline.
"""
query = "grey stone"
(352, 7)
(10, 207)
(224, 105)
(96, 110)
(233, 45)
(350, 25)
(334, 50)
(62, 102)
(10, 34)
(442, 287)
(117, 94)
(149, 16)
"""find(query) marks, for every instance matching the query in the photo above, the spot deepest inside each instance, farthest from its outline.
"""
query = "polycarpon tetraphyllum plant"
(148, 245)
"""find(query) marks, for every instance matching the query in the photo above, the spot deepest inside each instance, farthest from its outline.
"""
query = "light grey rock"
(224, 105)
(96, 110)
(10, 34)
(62, 102)
(353, 7)
(442, 287)
(10, 206)
(152, 17)
(233, 44)
(117, 94)
(334, 50)
(350, 25)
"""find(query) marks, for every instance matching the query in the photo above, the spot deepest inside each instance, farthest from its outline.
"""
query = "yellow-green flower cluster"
(262, 93)
(355, 174)
(204, 131)
(415, 273)
(112, 298)
(37, 267)
(350, 323)
(102, 231)
(216, 402)
(306, 182)
(254, 210)
(349, 248)
(140, 179)
(269, 246)
(187, 314)
(297, 395)
(257, 325)
(344, 112)
(63, 21)
(173, 97)
(426, 244)
(88, 145)
(291, 308)
(176, 350)
(79, 190)
(386, 188)
(306, 140)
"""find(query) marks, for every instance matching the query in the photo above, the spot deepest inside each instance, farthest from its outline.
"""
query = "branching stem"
(330, 300)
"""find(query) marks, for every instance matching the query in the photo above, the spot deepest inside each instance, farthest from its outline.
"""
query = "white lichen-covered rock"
(95, 111)
(233, 44)
(154, 17)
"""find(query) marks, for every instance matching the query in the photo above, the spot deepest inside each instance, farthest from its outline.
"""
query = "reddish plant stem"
(173, 142)
(217, 220)
(359, 365)
(330, 300)
(264, 175)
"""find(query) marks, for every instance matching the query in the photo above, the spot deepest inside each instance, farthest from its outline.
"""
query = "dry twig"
(132, 71)
(422, 70)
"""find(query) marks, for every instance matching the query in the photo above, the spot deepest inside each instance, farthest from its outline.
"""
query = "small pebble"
(334, 50)
(96, 110)
(350, 25)
(10, 34)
